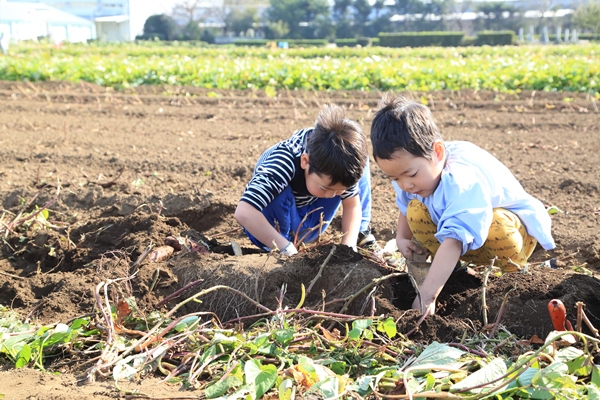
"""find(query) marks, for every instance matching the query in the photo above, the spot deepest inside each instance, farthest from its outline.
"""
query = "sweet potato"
(161, 253)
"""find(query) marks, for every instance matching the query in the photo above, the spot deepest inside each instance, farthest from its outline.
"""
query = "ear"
(304, 158)
(439, 151)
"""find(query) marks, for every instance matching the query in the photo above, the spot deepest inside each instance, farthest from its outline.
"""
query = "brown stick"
(316, 278)
(484, 306)
(177, 293)
(500, 313)
(114, 181)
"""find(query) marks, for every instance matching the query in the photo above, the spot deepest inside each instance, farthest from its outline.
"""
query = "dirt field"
(135, 168)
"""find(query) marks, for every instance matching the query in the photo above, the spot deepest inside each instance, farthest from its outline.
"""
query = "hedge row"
(361, 41)
(420, 39)
(412, 39)
(290, 42)
(495, 38)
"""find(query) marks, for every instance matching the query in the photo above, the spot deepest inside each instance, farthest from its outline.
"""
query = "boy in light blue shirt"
(456, 200)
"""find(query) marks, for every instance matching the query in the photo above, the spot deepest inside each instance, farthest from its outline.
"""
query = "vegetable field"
(508, 69)
(109, 154)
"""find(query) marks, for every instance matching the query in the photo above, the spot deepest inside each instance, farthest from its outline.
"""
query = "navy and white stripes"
(279, 167)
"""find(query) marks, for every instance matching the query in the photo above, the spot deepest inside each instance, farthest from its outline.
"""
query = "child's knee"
(509, 241)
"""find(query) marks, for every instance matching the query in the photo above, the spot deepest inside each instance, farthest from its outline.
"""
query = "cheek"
(314, 189)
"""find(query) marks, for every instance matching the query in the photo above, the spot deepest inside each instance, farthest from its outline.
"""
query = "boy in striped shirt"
(308, 175)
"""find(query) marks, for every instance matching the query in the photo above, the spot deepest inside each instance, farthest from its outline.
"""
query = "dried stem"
(316, 278)
(486, 275)
(373, 282)
(296, 241)
(500, 313)
(580, 306)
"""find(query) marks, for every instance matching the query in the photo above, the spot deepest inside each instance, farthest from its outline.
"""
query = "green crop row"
(512, 68)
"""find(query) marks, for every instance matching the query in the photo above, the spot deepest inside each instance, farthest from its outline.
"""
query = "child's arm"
(404, 239)
(256, 223)
(351, 218)
(441, 268)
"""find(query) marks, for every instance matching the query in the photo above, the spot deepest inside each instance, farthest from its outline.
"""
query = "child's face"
(414, 174)
(320, 186)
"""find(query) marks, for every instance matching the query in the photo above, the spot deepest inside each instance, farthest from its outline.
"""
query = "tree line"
(318, 19)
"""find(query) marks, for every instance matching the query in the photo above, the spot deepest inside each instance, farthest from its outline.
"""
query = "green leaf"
(438, 354)
(388, 327)
(554, 210)
(24, 356)
(79, 322)
(261, 377)
(221, 386)
(568, 354)
(526, 377)
(286, 389)
(57, 337)
(354, 334)
(284, 336)
(361, 324)
(540, 394)
(596, 375)
(327, 387)
(339, 367)
(482, 377)
(593, 393)
(186, 323)
(270, 91)
(581, 366)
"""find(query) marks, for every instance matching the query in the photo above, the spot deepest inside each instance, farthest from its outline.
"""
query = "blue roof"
(39, 12)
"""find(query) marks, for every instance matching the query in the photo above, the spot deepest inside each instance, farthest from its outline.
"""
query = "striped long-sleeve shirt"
(279, 167)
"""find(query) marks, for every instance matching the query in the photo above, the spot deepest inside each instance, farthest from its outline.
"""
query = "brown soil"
(136, 167)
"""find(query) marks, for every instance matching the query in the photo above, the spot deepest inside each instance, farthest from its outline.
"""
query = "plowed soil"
(122, 171)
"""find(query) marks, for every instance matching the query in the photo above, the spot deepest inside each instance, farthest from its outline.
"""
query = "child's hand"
(426, 308)
(289, 250)
(408, 248)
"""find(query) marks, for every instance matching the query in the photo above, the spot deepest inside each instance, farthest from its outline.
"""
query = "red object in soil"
(558, 313)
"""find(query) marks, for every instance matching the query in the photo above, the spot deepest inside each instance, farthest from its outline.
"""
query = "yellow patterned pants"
(508, 239)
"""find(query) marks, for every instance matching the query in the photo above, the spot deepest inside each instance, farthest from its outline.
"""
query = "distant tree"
(300, 16)
(410, 8)
(361, 15)
(542, 7)
(188, 10)
(208, 36)
(457, 9)
(588, 17)
(496, 14)
(377, 25)
(351, 17)
(277, 30)
(378, 6)
(381, 21)
(405, 6)
(191, 31)
(241, 20)
(161, 26)
(344, 24)
(341, 9)
(345, 29)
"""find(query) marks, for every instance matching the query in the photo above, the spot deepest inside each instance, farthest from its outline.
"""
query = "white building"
(115, 20)
(30, 21)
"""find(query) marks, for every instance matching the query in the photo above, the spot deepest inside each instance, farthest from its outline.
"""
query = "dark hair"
(403, 124)
(337, 147)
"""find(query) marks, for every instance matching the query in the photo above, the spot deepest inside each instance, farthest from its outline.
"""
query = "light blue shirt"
(473, 183)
